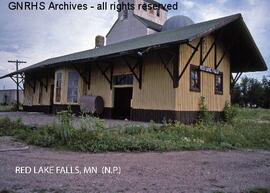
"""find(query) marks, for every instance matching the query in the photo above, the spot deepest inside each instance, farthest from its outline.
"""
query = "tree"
(266, 95)
(252, 92)
(237, 94)
(255, 93)
(244, 90)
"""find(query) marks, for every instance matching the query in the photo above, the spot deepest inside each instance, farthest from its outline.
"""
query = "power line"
(17, 62)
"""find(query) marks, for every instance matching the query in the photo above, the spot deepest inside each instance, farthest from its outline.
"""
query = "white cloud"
(37, 35)
(254, 12)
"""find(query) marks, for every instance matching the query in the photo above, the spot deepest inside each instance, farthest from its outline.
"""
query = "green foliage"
(64, 130)
(89, 123)
(66, 117)
(249, 130)
(205, 117)
(257, 190)
(252, 93)
(230, 112)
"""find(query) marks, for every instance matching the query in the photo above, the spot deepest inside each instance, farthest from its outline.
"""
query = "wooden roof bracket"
(104, 73)
(22, 79)
(195, 49)
(235, 79)
(174, 60)
(32, 86)
(17, 83)
(139, 66)
(213, 46)
(85, 74)
(45, 85)
(217, 63)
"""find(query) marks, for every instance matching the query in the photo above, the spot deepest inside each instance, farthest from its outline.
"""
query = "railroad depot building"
(152, 68)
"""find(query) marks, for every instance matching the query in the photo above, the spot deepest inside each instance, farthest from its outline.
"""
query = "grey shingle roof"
(245, 50)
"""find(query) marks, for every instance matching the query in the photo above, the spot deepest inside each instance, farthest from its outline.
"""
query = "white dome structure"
(176, 22)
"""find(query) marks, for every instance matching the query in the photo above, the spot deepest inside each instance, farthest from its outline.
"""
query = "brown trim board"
(146, 115)
(187, 117)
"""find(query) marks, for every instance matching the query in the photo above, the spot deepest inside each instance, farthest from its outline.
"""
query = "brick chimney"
(100, 41)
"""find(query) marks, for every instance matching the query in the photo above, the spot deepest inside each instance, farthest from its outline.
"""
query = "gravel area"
(41, 119)
(186, 171)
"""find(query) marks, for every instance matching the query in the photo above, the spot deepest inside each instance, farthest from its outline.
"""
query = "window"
(219, 83)
(73, 83)
(40, 93)
(126, 79)
(195, 78)
(58, 86)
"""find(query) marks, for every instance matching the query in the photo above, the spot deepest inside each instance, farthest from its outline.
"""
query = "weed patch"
(93, 136)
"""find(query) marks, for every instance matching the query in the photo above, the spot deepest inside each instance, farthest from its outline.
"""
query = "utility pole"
(17, 62)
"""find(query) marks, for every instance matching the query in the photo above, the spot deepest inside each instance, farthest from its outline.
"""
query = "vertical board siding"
(187, 100)
(100, 87)
(32, 98)
(157, 91)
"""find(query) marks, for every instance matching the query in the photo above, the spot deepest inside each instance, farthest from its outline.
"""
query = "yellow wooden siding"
(187, 100)
(32, 98)
(28, 95)
(157, 91)
(100, 87)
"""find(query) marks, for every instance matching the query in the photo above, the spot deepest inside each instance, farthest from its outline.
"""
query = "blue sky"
(37, 35)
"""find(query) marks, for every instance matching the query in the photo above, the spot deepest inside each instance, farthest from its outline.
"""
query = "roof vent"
(176, 22)
(100, 41)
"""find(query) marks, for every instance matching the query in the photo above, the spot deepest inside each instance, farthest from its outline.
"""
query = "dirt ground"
(194, 171)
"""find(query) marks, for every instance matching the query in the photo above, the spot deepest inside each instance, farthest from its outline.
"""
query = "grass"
(252, 190)
(9, 107)
(6, 108)
(250, 129)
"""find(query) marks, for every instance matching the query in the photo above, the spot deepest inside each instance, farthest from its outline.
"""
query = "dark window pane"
(123, 80)
(73, 84)
(195, 84)
(58, 86)
(219, 84)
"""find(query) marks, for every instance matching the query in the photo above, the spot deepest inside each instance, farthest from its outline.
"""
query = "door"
(122, 103)
(51, 99)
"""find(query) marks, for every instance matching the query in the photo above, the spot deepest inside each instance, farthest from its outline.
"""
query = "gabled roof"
(149, 24)
(154, 2)
(245, 56)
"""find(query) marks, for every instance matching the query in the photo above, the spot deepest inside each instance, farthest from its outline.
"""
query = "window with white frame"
(73, 87)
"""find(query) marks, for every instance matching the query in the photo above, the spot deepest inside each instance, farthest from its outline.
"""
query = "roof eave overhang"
(259, 66)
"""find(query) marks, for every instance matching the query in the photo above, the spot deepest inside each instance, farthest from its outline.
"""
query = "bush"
(64, 129)
(93, 136)
(205, 117)
(66, 117)
(230, 112)
(90, 123)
